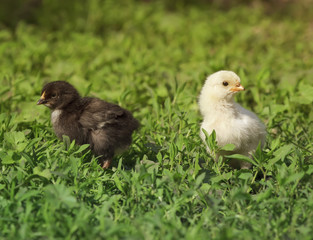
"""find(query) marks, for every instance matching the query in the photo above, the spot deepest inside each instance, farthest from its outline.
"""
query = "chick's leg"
(102, 147)
(106, 158)
(106, 163)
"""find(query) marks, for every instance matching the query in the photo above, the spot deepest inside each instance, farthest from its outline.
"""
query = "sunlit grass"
(152, 58)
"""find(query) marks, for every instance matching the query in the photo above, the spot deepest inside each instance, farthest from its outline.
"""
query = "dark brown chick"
(105, 126)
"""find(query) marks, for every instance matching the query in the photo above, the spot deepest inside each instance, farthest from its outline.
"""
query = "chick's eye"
(53, 95)
(225, 83)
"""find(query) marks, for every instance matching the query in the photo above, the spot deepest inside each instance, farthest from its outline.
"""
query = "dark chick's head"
(58, 95)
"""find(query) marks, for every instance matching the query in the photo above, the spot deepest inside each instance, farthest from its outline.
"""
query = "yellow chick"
(232, 123)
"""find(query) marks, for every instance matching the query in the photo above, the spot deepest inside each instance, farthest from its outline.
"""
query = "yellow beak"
(42, 99)
(237, 88)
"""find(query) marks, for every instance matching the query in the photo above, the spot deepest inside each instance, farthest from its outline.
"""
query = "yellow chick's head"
(220, 86)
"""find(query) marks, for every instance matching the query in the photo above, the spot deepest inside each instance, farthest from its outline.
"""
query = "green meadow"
(152, 58)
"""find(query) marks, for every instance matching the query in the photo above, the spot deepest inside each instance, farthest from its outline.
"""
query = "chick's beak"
(41, 101)
(237, 88)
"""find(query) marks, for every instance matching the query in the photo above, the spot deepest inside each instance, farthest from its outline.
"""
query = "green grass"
(152, 57)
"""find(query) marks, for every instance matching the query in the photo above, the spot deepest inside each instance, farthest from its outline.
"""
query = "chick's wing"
(98, 114)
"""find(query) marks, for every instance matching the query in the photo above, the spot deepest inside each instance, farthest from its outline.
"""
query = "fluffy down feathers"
(231, 122)
(105, 126)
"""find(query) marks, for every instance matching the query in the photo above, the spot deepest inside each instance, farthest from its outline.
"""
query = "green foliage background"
(152, 58)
